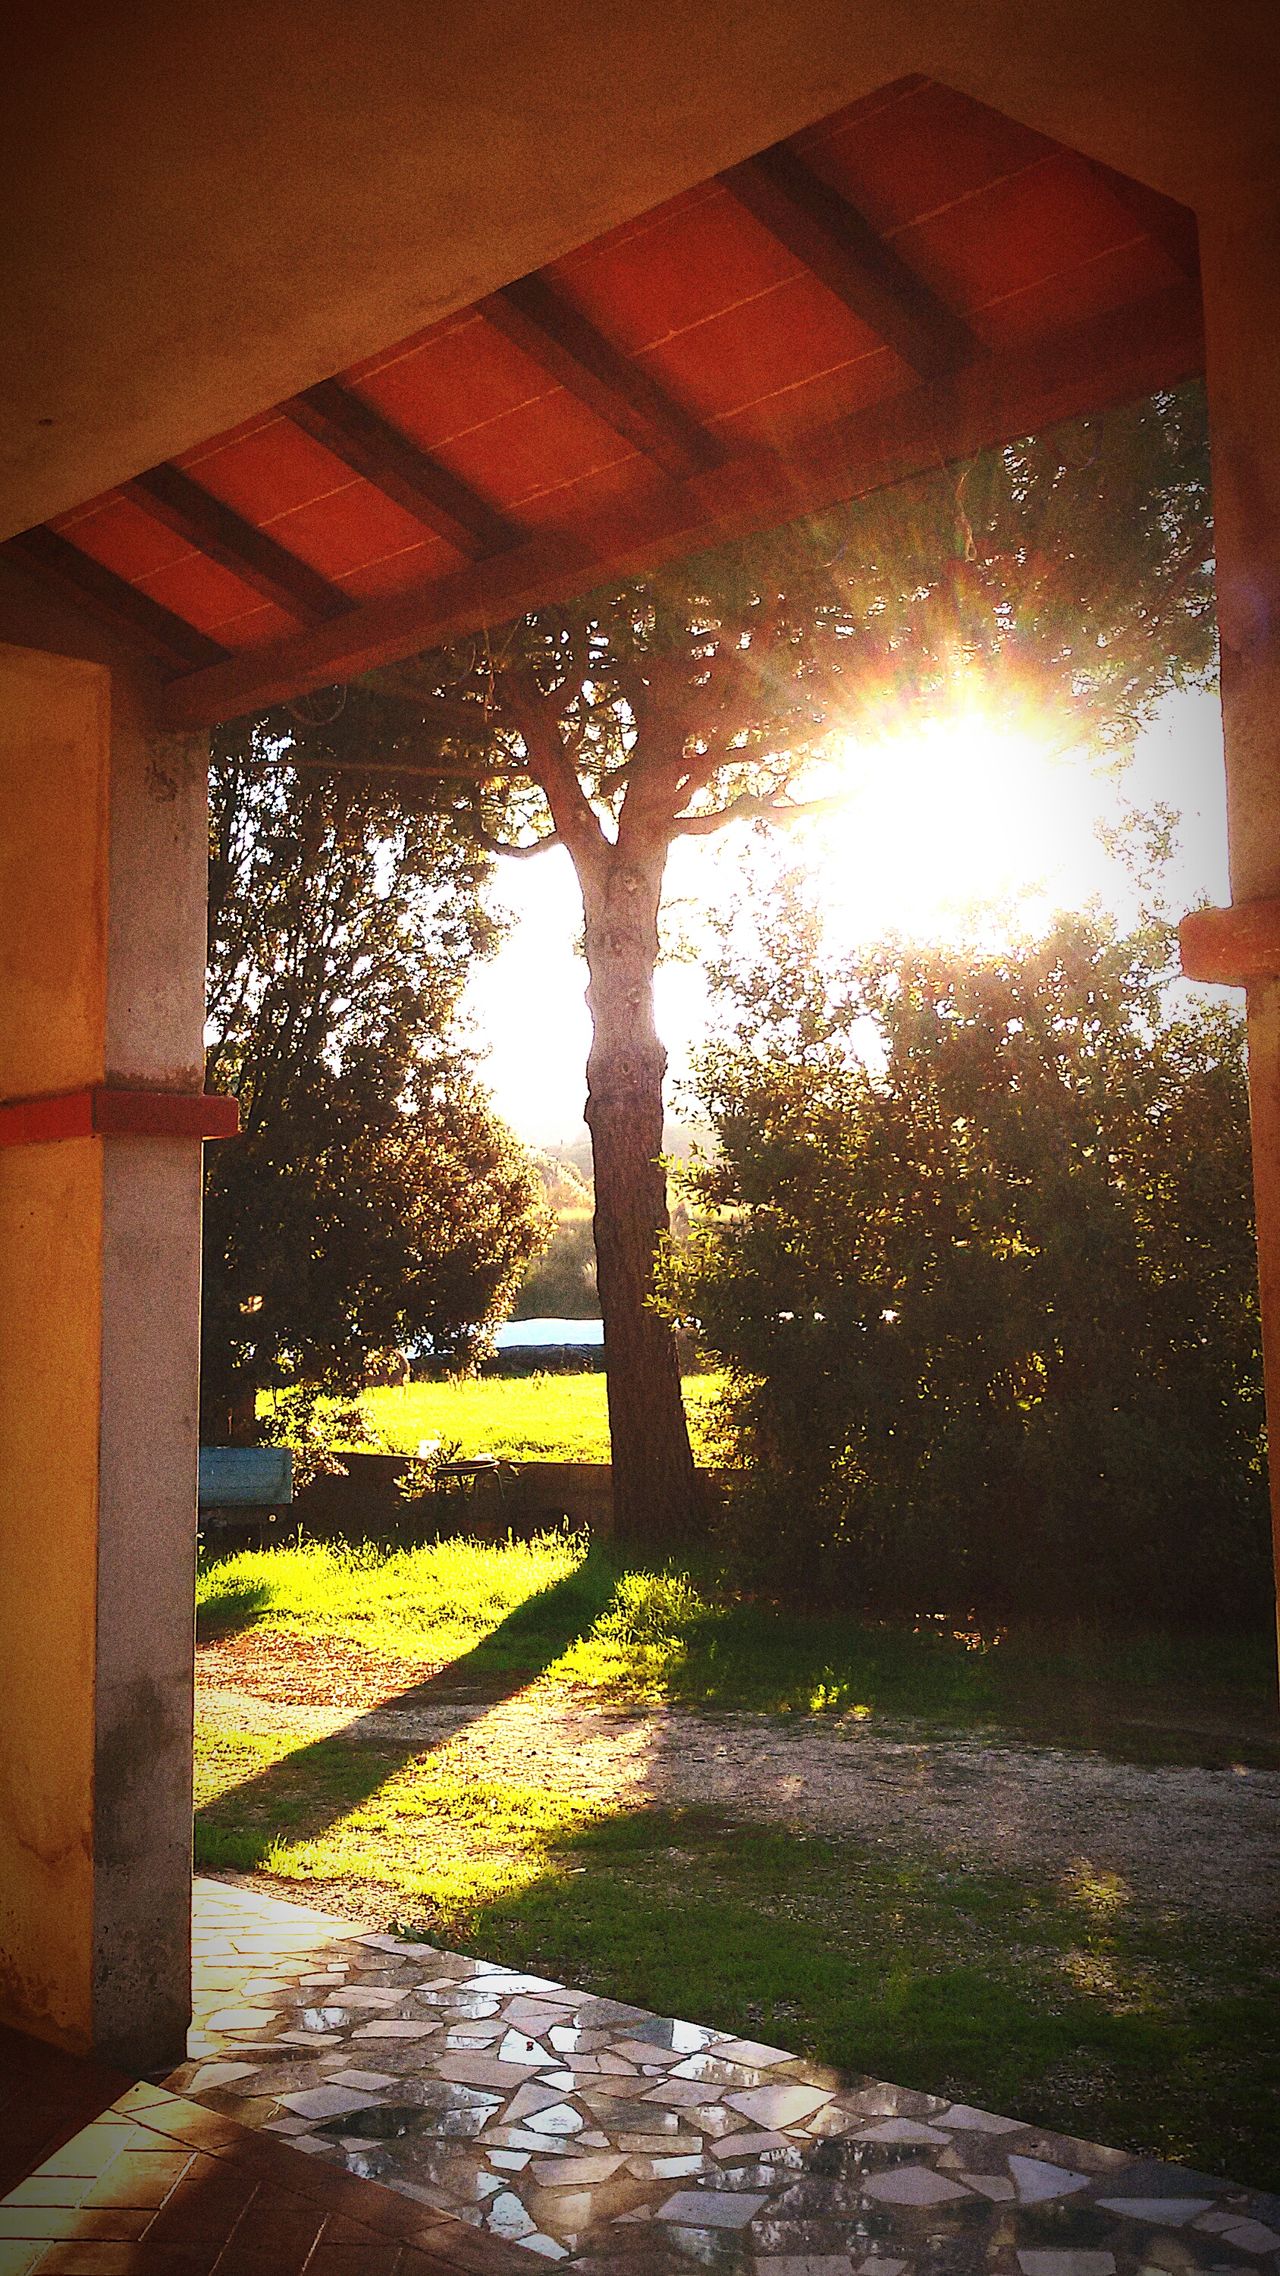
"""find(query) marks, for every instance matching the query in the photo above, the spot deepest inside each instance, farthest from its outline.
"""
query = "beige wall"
(293, 184)
(54, 746)
(102, 852)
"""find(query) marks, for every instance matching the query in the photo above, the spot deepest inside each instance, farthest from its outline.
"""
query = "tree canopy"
(977, 1251)
(1070, 573)
(374, 1198)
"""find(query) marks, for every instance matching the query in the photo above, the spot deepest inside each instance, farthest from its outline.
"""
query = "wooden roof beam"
(144, 623)
(843, 251)
(352, 431)
(1114, 358)
(193, 513)
(1171, 226)
(553, 334)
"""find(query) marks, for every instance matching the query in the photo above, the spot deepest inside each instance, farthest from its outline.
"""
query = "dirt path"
(1182, 1836)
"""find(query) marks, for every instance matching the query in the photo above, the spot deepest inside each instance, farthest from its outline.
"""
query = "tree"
(977, 1251)
(374, 1198)
(1070, 570)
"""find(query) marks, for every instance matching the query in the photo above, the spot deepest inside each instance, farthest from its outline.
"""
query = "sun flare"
(964, 822)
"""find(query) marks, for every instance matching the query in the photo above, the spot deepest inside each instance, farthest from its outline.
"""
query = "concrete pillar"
(1240, 258)
(102, 899)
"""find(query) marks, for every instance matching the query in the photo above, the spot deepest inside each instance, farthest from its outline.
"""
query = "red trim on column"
(101, 1111)
(1232, 946)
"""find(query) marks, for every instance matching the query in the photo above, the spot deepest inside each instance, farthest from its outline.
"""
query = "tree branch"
(537, 718)
(487, 842)
(751, 808)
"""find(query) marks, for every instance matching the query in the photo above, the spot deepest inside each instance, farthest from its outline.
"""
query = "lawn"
(1072, 2006)
(1073, 2000)
(587, 1616)
(547, 1418)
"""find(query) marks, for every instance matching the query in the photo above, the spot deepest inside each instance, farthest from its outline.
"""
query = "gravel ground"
(1187, 1837)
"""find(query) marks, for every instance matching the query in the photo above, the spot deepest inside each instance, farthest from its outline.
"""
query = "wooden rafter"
(352, 431)
(193, 513)
(843, 251)
(1113, 358)
(556, 336)
(144, 623)
(1169, 225)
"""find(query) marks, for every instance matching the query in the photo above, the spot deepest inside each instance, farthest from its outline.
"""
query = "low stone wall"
(367, 1505)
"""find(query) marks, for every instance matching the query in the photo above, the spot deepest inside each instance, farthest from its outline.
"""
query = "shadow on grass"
(232, 1605)
(313, 1787)
(989, 1988)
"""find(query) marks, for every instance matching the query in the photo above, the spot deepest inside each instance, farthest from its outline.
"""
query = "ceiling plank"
(1170, 225)
(843, 251)
(567, 346)
(352, 431)
(171, 496)
(1115, 358)
(144, 623)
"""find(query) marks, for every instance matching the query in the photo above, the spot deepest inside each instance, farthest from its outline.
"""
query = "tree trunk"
(655, 1489)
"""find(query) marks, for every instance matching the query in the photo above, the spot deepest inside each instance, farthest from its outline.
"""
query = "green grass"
(523, 1418)
(685, 1636)
(1067, 2003)
(1075, 2003)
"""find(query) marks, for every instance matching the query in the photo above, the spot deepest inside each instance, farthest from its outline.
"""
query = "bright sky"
(962, 830)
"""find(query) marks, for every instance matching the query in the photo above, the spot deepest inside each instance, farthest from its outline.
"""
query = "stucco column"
(1240, 258)
(102, 897)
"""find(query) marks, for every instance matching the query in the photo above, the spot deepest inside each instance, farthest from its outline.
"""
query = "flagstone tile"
(324, 2101)
(1159, 2212)
(912, 2185)
(539, 2119)
(1037, 2181)
(781, 2105)
(752, 2051)
(711, 2209)
(901, 2130)
(732, 2146)
(961, 2115)
(393, 2030)
(1049, 2263)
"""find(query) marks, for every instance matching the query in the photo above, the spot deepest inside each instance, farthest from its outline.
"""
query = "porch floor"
(499, 2115)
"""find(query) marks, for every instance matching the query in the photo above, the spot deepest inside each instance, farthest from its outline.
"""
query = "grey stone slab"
(711, 2208)
(784, 2104)
(912, 2185)
(399, 2029)
(1037, 2181)
(485, 2070)
(1160, 2212)
(750, 2144)
(326, 2101)
(578, 2172)
(557, 2118)
(1068, 2263)
(963, 2116)
(529, 2099)
(752, 2051)
(901, 2130)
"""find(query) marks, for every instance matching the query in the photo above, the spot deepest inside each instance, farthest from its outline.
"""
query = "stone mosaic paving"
(637, 2145)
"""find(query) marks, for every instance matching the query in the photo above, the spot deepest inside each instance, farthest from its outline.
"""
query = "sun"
(967, 822)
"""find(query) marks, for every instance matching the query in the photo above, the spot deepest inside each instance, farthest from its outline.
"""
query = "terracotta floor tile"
(50, 2189)
(80, 2259)
(372, 2259)
(18, 2259)
(277, 2240)
(140, 2177)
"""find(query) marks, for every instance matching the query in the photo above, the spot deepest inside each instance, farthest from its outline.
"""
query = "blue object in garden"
(245, 1477)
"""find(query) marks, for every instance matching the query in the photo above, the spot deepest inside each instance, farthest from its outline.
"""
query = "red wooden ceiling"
(912, 278)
